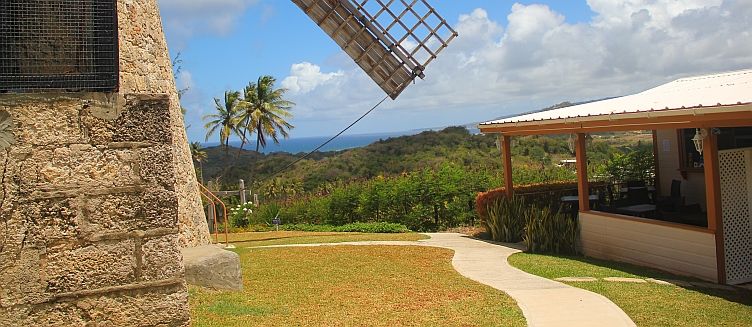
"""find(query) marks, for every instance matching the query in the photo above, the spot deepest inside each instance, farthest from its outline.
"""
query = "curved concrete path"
(543, 302)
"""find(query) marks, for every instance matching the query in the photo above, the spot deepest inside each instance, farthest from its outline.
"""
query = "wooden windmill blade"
(391, 40)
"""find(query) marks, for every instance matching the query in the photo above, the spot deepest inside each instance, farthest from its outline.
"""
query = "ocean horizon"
(307, 144)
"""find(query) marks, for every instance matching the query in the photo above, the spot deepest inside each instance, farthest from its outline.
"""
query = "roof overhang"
(699, 117)
(719, 100)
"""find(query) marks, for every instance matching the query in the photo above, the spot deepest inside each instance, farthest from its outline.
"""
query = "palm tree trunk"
(242, 142)
(259, 136)
(201, 171)
(243, 139)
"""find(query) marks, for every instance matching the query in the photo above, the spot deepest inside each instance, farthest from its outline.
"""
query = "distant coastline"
(344, 142)
(307, 144)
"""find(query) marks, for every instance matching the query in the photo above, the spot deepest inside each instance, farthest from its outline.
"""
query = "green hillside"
(399, 155)
(387, 157)
(426, 181)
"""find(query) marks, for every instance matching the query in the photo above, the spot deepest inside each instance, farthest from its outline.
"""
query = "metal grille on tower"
(58, 45)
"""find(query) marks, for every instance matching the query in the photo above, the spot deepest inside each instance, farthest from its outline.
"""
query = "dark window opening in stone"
(58, 45)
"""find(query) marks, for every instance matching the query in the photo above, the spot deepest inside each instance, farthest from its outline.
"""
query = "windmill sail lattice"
(391, 40)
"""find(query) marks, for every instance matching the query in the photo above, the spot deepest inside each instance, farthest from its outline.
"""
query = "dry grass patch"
(353, 286)
(253, 239)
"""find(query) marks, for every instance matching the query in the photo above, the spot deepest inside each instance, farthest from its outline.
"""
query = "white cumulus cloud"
(540, 59)
(306, 76)
(184, 19)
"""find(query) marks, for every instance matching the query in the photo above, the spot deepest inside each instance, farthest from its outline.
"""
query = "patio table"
(575, 198)
(650, 189)
(639, 210)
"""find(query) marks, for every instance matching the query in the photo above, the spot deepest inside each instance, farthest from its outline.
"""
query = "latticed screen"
(58, 45)
(413, 26)
(736, 208)
(391, 40)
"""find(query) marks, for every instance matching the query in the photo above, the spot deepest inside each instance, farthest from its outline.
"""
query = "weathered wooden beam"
(713, 198)
(727, 116)
(506, 156)
(583, 186)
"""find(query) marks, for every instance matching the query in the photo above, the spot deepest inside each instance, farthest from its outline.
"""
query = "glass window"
(735, 138)
(689, 158)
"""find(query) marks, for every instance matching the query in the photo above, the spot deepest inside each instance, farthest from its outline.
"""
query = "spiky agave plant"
(505, 219)
(515, 218)
(493, 217)
(550, 231)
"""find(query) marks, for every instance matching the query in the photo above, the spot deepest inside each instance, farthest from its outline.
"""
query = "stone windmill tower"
(98, 188)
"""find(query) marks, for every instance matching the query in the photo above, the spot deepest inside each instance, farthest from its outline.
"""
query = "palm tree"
(266, 111)
(199, 155)
(226, 119)
(248, 105)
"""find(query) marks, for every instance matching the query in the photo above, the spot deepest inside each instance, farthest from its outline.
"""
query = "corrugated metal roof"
(732, 88)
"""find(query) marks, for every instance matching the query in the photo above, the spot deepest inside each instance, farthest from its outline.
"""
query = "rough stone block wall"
(146, 68)
(99, 195)
(89, 212)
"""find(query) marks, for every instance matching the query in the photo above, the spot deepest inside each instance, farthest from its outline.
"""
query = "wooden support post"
(583, 187)
(712, 181)
(506, 156)
(241, 186)
(713, 199)
(657, 166)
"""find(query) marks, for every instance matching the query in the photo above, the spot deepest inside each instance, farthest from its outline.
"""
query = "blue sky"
(510, 57)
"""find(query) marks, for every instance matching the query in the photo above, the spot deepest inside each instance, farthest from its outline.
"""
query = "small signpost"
(276, 221)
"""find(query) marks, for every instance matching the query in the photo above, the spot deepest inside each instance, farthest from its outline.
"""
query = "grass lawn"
(353, 286)
(647, 304)
(282, 237)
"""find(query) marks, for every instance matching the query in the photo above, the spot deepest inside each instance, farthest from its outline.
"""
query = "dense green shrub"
(311, 210)
(307, 228)
(527, 175)
(380, 227)
(539, 194)
(373, 228)
(344, 204)
(637, 165)
(425, 200)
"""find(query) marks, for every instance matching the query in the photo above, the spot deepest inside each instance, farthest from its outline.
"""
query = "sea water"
(307, 144)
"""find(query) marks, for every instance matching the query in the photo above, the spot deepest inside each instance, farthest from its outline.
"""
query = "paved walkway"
(543, 302)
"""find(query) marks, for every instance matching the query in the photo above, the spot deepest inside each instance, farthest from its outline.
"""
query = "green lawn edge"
(648, 304)
(257, 239)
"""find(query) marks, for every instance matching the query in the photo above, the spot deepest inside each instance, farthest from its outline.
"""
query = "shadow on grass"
(282, 238)
(264, 239)
(729, 293)
(517, 246)
(737, 294)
